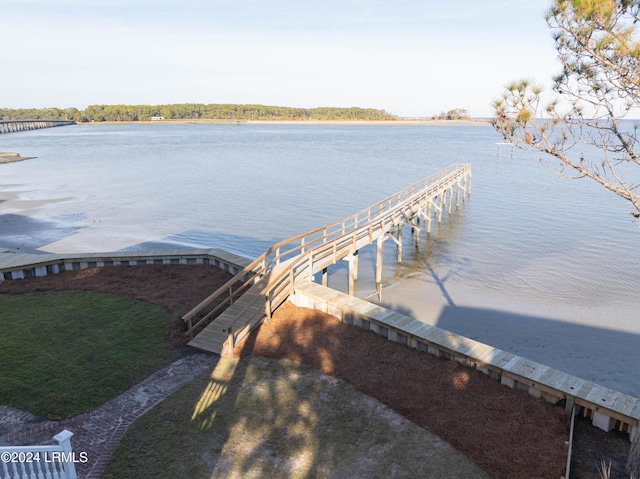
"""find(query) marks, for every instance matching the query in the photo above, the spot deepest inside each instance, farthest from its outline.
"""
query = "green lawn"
(65, 353)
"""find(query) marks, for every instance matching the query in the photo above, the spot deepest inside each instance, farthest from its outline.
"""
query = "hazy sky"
(409, 57)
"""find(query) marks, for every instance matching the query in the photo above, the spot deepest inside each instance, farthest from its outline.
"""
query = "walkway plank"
(250, 305)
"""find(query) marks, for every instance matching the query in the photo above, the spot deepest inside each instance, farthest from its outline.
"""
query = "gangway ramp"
(237, 321)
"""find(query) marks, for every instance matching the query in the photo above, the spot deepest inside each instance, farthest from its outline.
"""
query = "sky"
(412, 58)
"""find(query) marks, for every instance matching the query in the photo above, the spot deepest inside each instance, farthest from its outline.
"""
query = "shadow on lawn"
(495, 427)
(283, 419)
(280, 419)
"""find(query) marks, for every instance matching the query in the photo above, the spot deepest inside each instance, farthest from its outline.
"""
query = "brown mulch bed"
(508, 433)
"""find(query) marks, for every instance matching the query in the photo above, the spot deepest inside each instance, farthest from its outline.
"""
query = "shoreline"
(404, 121)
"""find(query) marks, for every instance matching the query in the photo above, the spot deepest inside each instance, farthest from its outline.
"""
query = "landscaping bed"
(261, 418)
(501, 429)
(506, 432)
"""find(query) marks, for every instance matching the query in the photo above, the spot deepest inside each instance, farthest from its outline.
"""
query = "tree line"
(194, 111)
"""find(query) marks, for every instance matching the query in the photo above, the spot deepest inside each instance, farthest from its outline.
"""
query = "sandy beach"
(21, 227)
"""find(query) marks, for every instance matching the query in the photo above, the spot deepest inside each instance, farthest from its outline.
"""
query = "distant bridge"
(10, 126)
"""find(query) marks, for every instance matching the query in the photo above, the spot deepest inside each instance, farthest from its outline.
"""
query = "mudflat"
(11, 157)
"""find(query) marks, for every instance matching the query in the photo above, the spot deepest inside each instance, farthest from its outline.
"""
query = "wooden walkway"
(275, 272)
(251, 308)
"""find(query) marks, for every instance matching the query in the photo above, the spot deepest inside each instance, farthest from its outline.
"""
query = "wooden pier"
(11, 126)
(273, 275)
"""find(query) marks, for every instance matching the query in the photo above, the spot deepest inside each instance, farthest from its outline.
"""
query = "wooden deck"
(239, 318)
(212, 338)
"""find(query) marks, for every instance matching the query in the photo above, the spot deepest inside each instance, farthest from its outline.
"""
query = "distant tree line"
(455, 114)
(194, 111)
(41, 114)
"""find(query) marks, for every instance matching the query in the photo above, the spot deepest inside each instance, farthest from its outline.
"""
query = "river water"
(532, 263)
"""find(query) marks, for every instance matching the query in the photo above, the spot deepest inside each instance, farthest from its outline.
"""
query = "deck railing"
(336, 236)
(316, 258)
(40, 462)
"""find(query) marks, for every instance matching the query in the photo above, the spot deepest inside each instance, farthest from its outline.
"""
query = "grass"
(65, 353)
(257, 417)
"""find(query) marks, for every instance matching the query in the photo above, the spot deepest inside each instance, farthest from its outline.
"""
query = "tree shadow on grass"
(490, 424)
(256, 417)
(295, 422)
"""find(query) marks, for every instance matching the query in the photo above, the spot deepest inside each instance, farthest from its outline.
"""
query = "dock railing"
(316, 258)
(317, 243)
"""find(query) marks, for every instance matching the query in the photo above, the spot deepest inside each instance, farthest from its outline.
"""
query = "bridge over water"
(227, 316)
(10, 126)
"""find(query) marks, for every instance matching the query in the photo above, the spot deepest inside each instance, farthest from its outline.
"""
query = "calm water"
(529, 263)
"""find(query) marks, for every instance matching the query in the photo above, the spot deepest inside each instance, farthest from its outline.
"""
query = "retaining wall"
(19, 266)
(608, 409)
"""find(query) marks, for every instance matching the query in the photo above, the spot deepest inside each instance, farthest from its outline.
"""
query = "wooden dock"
(274, 274)
(237, 321)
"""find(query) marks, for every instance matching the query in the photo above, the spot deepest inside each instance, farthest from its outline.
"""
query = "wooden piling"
(353, 272)
(379, 243)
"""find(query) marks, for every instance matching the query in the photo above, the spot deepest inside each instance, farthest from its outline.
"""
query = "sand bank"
(583, 340)
(11, 157)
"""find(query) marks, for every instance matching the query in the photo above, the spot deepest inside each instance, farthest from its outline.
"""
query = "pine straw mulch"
(176, 287)
(506, 432)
